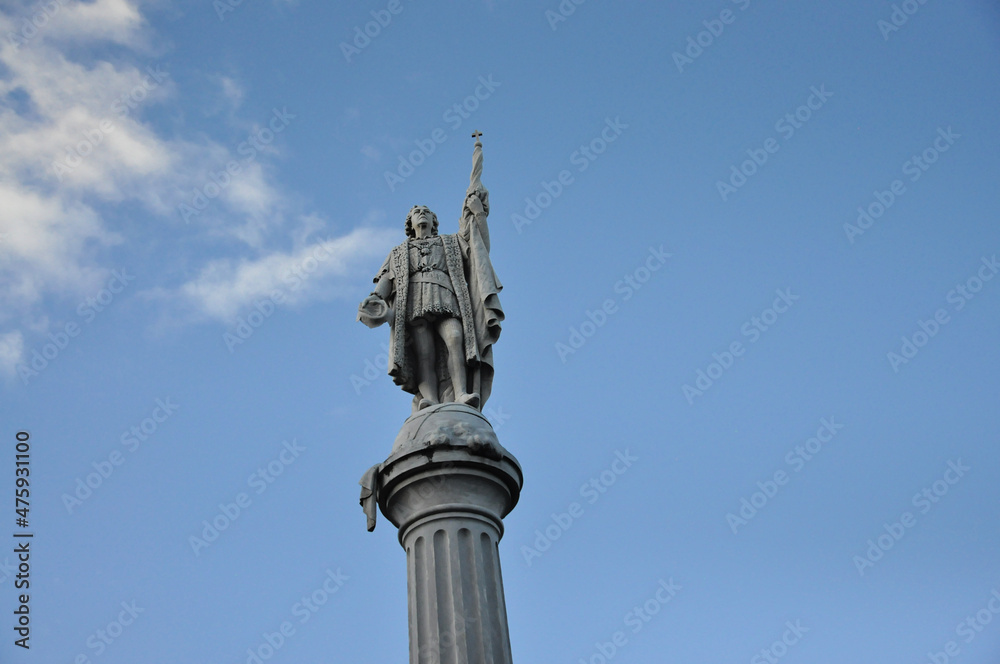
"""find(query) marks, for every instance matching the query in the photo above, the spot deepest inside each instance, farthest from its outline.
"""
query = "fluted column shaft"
(448, 507)
(456, 602)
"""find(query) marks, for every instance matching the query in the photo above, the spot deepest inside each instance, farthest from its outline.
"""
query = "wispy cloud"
(225, 287)
(76, 150)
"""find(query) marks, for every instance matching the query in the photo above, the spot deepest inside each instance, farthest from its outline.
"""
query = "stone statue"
(448, 483)
(439, 295)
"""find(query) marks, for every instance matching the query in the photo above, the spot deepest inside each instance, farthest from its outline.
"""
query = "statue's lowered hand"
(373, 311)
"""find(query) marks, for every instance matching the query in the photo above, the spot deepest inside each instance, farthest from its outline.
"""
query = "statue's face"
(422, 220)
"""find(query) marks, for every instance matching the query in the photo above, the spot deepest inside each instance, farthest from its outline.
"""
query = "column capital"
(447, 460)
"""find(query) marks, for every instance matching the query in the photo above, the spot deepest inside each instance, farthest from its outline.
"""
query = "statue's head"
(421, 222)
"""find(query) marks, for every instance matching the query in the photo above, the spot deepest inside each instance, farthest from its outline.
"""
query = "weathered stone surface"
(449, 424)
(447, 486)
(440, 296)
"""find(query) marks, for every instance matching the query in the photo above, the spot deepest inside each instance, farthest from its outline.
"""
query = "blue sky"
(749, 248)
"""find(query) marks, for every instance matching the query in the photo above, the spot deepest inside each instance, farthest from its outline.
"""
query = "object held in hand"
(373, 311)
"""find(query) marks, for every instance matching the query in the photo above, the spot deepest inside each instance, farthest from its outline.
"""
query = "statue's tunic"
(432, 294)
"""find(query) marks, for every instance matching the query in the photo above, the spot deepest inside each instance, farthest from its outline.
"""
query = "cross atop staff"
(475, 185)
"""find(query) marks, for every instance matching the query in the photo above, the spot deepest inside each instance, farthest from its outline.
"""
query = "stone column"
(447, 485)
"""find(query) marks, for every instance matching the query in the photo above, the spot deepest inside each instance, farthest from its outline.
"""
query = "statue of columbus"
(439, 295)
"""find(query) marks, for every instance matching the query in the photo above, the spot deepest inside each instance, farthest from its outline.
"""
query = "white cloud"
(118, 21)
(63, 112)
(232, 91)
(11, 352)
(371, 154)
(75, 151)
(225, 286)
(231, 95)
(46, 247)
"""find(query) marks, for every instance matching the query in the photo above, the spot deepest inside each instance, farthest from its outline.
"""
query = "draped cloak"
(476, 288)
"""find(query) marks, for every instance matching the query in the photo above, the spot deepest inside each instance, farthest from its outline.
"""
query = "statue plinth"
(447, 486)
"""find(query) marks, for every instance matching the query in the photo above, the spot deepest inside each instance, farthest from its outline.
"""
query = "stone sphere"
(448, 425)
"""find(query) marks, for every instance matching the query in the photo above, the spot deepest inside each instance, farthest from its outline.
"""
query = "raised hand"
(473, 203)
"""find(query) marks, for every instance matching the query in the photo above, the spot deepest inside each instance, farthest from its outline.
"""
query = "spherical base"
(448, 457)
(448, 425)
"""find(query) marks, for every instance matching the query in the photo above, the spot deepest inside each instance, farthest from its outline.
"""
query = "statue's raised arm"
(477, 200)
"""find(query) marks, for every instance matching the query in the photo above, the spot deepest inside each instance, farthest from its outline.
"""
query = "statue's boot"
(469, 399)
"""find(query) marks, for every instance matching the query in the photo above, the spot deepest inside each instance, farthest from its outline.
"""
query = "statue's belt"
(433, 277)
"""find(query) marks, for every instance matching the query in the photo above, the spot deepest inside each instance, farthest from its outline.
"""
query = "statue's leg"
(423, 341)
(450, 330)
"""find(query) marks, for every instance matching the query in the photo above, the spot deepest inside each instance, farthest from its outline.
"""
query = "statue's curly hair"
(409, 221)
